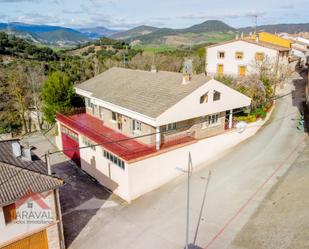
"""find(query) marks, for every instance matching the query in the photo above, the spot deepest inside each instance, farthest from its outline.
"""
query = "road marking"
(243, 207)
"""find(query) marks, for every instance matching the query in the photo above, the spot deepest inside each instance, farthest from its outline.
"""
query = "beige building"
(137, 115)
(30, 215)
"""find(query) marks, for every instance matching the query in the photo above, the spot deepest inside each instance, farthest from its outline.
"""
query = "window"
(259, 56)
(9, 212)
(242, 70)
(113, 159)
(239, 55)
(69, 133)
(217, 96)
(204, 98)
(221, 55)
(88, 103)
(101, 112)
(136, 126)
(87, 142)
(171, 126)
(114, 116)
(213, 119)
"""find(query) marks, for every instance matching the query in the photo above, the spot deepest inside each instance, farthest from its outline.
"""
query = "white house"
(239, 57)
(140, 119)
(299, 48)
(30, 215)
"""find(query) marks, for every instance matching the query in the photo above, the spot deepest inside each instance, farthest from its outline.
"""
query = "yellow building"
(271, 38)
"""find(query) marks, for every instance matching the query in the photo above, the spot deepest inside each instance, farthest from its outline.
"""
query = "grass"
(155, 48)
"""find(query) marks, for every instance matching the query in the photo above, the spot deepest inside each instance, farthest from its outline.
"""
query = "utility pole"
(202, 207)
(256, 22)
(47, 159)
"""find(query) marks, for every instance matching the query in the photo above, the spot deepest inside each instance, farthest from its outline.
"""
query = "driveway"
(241, 178)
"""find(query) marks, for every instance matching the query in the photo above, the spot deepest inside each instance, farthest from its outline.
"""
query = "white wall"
(231, 65)
(107, 173)
(20, 227)
(190, 107)
(151, 173)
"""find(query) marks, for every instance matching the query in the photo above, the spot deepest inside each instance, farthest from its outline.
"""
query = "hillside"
(211, 31)
(137, 31)
(279, 28)
(45, 34)
(98, 32)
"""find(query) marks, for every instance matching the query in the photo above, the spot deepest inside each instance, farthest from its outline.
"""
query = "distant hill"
(45, 34)
(210, 31)
(279, 28)
(98, 32)
(137, 31)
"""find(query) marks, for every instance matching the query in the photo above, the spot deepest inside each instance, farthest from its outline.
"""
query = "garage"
(69, 143)
(35, 241)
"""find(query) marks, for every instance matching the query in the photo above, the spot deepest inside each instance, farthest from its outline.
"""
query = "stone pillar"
(231, 119)
(158, 138)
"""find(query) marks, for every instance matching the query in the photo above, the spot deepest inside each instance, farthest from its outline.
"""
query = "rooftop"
(147, 93)
(112, 140)
(18, 177)
(260, 43)
(7, 156)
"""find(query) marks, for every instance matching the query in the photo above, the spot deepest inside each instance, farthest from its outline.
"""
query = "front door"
(35, 241)
(220, 69)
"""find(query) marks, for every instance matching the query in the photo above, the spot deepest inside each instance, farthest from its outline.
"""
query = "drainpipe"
(158, 138)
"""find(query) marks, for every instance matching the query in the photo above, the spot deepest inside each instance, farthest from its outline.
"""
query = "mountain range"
(210, 31)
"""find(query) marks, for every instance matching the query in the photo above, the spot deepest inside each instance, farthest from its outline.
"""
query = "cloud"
(17, 1)
(229, 15)
(287, 6)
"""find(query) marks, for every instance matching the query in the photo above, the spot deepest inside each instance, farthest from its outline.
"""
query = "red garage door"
(69, 143)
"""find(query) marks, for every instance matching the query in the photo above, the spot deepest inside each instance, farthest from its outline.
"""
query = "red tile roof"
(93, 128)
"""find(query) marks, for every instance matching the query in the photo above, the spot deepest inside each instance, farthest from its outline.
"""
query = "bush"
(250, 118)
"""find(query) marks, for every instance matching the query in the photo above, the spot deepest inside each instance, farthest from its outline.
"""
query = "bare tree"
(20, 92)
(35, 79)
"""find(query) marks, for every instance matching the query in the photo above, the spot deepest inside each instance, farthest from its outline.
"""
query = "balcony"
(112, 140)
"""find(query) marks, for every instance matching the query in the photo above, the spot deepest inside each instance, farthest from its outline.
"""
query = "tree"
(20, 92)
(35, 79)
(58, 94)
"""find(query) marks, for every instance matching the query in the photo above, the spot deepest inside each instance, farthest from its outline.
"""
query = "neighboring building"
(240, 57)
(271, 39)
(299, 48)
(148, 113)
(30, 215)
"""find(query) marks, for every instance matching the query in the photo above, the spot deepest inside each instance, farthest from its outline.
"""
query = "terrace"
(114, 141)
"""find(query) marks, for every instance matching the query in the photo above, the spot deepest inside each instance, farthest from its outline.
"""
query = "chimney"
(153, 69)
(16, 148)
(26, 154)
(236, 37)
(187, 72)
(242, 35)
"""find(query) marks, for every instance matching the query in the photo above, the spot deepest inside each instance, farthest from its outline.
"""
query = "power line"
(160, 132)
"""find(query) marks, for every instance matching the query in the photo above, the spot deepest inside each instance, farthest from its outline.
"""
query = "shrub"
(250, 118)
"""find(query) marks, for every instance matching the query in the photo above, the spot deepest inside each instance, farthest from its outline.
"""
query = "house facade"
(30, 215)
(241, 57)
(136, 116)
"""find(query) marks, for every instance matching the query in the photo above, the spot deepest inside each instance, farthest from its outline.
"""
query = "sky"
(125, 14)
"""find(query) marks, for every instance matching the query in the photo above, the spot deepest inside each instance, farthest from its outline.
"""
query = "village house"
(30, 215)
(299, 48)
(243, 56)
(139, 117)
